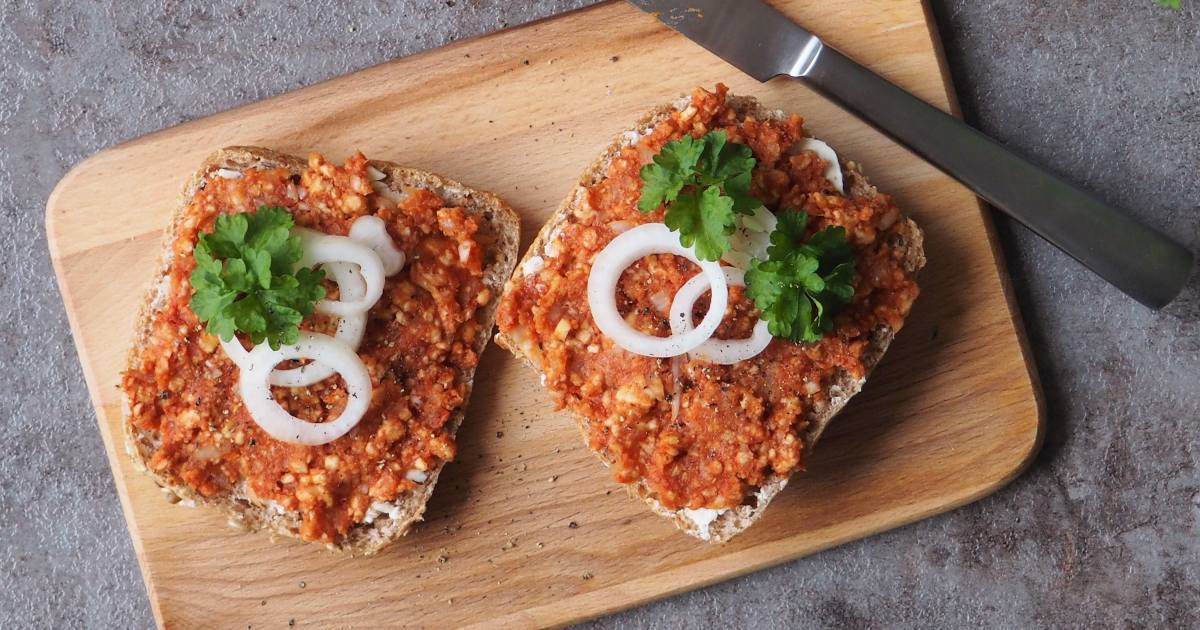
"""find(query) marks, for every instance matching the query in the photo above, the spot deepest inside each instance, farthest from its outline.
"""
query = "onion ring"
(352, 286)
(274, 419)
(372, 232)
(349, 331)
(611, 262)
(323, 248)
(719, 351)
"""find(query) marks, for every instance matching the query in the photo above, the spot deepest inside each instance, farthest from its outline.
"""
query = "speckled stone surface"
(1104, 530)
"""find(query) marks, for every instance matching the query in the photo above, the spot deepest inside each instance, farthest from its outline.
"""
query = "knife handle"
(1139, 260)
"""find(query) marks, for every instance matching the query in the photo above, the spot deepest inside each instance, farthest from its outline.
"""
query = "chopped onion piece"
(323, 248)
(229, 173)
(385, 191)
(372, 232)
(660, 301)
(620, 227)
(611, 262)
(533, 266)
(417, 476)
(833, 167)
(720, 351)
(274, 419)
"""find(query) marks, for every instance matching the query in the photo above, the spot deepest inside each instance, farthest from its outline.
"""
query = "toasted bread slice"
(711, 525)
(496, 219)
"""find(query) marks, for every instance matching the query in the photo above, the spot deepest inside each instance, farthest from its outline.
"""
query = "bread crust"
(365, 538)
(844, 385)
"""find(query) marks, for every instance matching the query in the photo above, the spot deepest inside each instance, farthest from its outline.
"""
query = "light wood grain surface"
(526, 529)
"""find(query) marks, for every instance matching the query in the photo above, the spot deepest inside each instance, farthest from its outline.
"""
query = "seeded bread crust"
(843, 386)
(252, 515)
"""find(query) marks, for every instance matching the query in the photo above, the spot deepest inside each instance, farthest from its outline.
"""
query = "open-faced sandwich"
(715, 289)
(306, 350)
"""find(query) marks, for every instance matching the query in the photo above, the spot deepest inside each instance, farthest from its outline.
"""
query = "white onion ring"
(611, 262)
(324, 248)
(277, 422)
(372, 232)
(351, 285)
(236, 351)
(349, 331)
(719, 351)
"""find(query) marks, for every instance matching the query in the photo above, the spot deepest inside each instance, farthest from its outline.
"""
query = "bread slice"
(710, 525)
(495, 216)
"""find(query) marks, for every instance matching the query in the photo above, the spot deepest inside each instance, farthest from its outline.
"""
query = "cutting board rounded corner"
(55, 209)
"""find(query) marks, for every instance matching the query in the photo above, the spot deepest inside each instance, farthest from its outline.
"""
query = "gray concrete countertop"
(1104, 530)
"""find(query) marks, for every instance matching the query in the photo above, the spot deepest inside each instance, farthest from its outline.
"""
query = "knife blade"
(764, 43)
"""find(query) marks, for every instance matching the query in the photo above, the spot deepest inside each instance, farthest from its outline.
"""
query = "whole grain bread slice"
(496, 218)
(721, 527)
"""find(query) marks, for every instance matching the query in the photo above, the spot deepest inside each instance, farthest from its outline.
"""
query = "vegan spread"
(594, 309)
(413, 341)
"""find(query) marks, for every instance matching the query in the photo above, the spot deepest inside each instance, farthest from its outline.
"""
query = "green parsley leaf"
(738, 189)
(245, 278)
(803, 282)
(670, 172)
(704, 222)
(705, 183)
(723, 160)
(1171, 4)
(788, 235)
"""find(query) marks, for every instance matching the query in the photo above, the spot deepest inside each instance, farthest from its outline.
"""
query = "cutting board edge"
(988, 217)
(579, 609)
(114, 449)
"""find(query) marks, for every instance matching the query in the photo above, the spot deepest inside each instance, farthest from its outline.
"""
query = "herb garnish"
(802, 283)
(246, 281)
(705, 184)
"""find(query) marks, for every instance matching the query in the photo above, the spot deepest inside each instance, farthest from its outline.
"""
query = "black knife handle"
(1137, 259)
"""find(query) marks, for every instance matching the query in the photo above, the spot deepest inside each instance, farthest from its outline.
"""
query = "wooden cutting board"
(526, 529)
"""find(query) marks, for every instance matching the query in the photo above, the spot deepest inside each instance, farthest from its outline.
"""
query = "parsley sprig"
(246, 278)
(704, 183)
(803, 281)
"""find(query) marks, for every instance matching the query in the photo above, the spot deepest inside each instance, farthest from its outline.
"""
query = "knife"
(764, 43)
